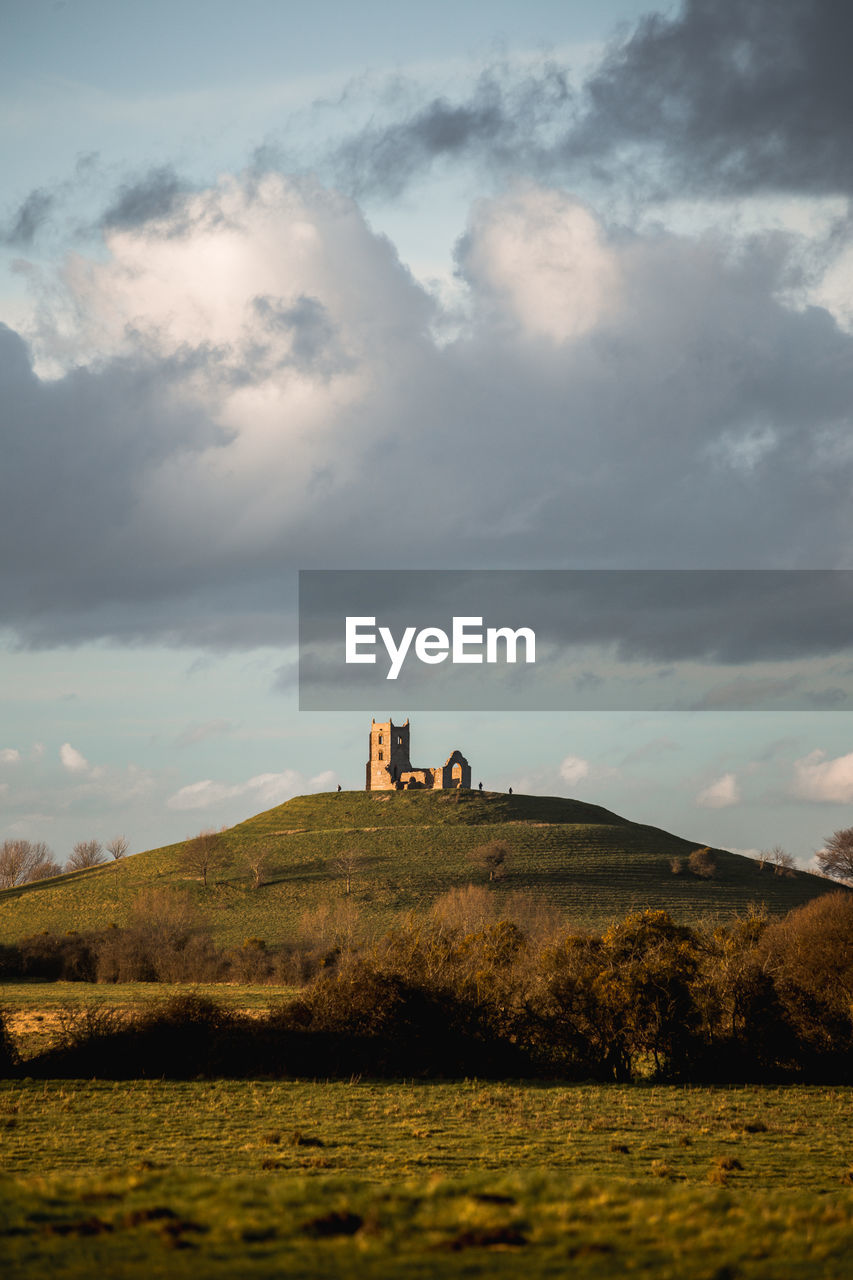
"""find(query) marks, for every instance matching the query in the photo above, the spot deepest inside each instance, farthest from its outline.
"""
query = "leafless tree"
(783, 862)
(492, 857)
(835, 859)
(86, 853)
(203, 855)
(468, 909)
(43, 864)
(330, 925)
(23, 861)
(346, 865)
(117, 848)
(257, 858)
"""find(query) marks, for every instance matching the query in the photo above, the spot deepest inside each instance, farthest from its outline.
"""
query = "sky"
(553, 286)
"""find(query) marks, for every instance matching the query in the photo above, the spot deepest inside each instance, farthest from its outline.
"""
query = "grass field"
(583, 860)
(269, 1178)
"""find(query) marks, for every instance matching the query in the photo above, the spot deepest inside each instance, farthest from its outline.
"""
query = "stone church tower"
(390, 768)
(389, 755)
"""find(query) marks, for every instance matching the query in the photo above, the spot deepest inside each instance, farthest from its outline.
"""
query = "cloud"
(9, 755)
(574, 769)
(731, 96)
(73, 760)
(248, 377)
(503, 116)
(720, 794)
(153, 197)
(725, 97)
(30, 216)
(825, 781)
(542, 257)
(266, 789)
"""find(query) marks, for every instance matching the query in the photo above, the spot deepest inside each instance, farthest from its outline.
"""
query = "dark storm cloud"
(32, 214)
(703, 625)
(156, 195)
(728, 97)
(737, 95)
(726, 617)
(78, 452)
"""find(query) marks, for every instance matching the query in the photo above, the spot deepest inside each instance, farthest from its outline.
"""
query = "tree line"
(754, 999)
(26, 861)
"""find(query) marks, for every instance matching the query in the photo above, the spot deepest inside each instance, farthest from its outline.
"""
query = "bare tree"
(12, 854)
(783, 862)
(702, 863)
(203, 855)
(257, 858)
(117, 848)
(347, 864)
(492, 857)
(86, 853)
(23, 861)
(836, 857)
(468, 909)
(43, 865)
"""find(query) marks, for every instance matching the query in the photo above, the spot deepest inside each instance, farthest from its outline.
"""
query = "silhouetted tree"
(836, 858)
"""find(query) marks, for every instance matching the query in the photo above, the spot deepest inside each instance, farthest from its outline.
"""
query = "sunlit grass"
(589, 863)
(384, 1180)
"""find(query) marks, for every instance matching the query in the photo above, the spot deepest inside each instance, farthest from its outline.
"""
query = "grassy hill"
(413, 847)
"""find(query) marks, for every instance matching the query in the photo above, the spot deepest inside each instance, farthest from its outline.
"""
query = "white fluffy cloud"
(72, 759)
(265, 790)
(719, 794)
(252, 372)
(542, 258)
(574, 769)
(9, 755)
(827, 781)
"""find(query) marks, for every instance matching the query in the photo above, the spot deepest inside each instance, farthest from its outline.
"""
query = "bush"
(703, 864)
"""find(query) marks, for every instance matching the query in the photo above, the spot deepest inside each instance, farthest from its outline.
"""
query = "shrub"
(703, 864)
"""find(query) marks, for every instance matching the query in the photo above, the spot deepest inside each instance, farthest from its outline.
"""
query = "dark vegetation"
(752, 1000)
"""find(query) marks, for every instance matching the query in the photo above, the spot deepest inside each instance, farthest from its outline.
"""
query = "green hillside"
(413, 847)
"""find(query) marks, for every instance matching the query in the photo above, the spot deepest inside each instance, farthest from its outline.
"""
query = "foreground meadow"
(262, 1178)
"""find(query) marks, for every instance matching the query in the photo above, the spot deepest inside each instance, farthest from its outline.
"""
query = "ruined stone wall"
(389, 767)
